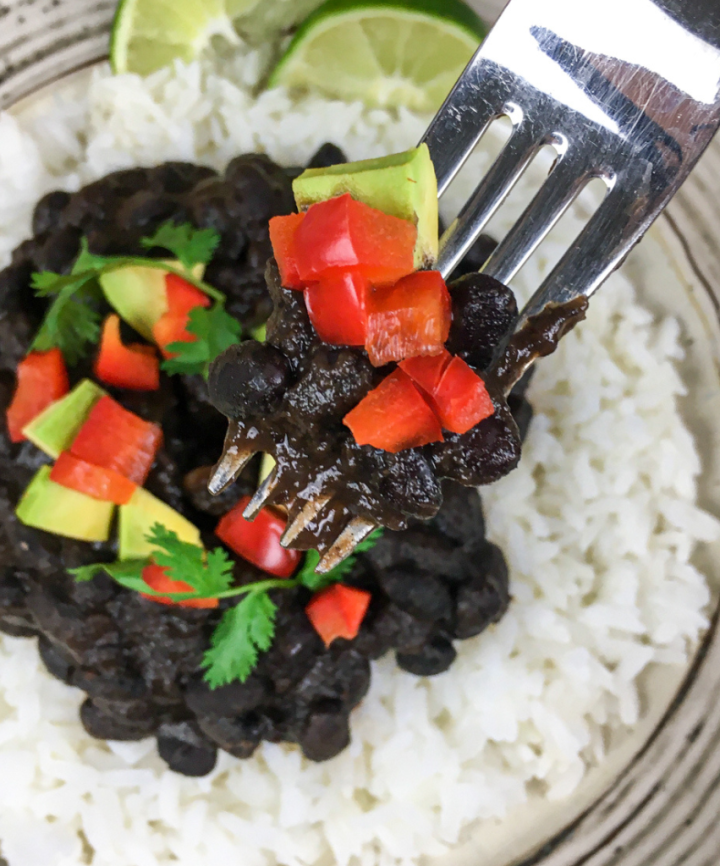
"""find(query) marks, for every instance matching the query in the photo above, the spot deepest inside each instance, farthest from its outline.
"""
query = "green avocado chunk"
(54, 429)
(138, 517)
(402, 185)
(138, 294)
(57, 509)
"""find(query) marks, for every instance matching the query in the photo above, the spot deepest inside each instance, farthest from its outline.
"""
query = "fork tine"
(227, 469)
(517, 154)
(300, 522)
(234, 459)
(262, 496)
(562, 186)
(461, 122)
(345, 543)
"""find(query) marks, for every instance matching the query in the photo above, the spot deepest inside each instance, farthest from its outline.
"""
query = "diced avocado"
(259, 333)
(139, 516)
(402, 185)
(57, 509)
(138, 294)
(267, 464)
(54, 429)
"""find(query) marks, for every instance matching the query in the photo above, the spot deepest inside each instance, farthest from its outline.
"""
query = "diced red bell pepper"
(394, 416)
(41, 379)
(135, 367)
(455, 392)
(426, 370)
(157, 578)
(342, 233)
(95, 481)
(408, 319)
(338, 611)
(119, 440)
(258, 541)
(337, 308)
(461, 399)
(182, 297)
(282, 238)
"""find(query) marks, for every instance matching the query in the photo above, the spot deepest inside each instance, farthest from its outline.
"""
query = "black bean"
(56, 662)
(105, 727)
(147, 208)
(417, 592)
(248, 377)
(48, 211)
(483, 312)
(486, 597)
(186, 749)
(326, 732)
(326, 155)
(434, 658)
(178, 177)
(234, 699)
(239, 736)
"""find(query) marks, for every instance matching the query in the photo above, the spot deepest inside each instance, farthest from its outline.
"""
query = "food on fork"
(359, 442)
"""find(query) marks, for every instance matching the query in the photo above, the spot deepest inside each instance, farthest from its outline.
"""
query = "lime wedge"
(386, 53)
(149, 34)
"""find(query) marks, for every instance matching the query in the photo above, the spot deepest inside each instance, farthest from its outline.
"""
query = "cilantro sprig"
(189, 245)
(72, 323)
(214, 329)
(246, 629)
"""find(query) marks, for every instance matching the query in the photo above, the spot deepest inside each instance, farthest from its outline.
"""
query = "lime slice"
(149, 34)
(387, 53)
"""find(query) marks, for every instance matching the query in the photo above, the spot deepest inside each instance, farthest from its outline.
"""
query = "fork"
(626, 91)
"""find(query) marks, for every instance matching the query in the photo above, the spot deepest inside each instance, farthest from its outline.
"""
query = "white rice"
(598, 525)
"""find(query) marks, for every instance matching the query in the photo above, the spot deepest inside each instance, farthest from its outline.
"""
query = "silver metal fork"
(624, 90)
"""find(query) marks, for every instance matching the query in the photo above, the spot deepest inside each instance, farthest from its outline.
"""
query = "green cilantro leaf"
(215, 329)
(309, 578)
(209, 575)
(127, 573)
(243, 632)
(87, 261)
(190, 245)
(73, 320)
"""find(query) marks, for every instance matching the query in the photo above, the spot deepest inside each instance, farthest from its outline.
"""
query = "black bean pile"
(137, 661)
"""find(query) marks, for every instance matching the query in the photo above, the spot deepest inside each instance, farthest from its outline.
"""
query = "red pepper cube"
(282, 238)
(182, 297)
(156, 577)
(461, 399)
(96, 481)
(427, 370)
(341, 233)
(408, 319)
(337, 308)
(394, 416)
(258, 541)
(41, 380)
(338, 611)
(135, 367)
(119, 440)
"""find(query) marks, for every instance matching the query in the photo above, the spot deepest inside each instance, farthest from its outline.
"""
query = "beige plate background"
(656, 802)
